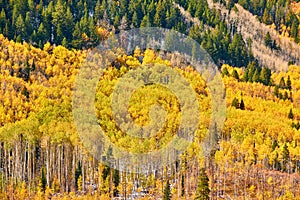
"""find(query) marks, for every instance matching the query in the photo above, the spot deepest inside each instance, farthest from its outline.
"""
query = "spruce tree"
(235, 103)
(235, 74)
(242, 105)
(202, 192)
(282, 83)
(167, 191)
(116, 180)
(225, 72)
(265, 76)
(291, 115)
(276, 91)
(78, 173)
(289, 83)
(268, 40)
(43, 179)
(285, 157)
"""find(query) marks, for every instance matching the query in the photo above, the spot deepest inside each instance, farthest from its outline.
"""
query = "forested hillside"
(42, 156)
(82, 24)
(255, 45)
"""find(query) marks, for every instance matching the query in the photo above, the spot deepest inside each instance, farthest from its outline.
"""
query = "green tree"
(294, 30)
(265, 76)
(225, 72)
(146, 21)
(77, 41)
(203, 191)
(268, 40)
(116, 180)
(291, 115)
(2, 18)
(256, 76)
(289, 83)
(282, 83)
(235, 74)
(285, 157)
(167, 191)
(20, 26)
(135, 20)
(78, 173)
(235, 103)
(43, 179)
(242, 105)
(28, 26)
(276, 91)
(42, 33)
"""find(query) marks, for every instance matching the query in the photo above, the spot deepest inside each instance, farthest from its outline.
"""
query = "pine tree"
(78, 173)
(285, 95)
(145, 22)
(282, 83)
(20, 26)
(276, 91)
(235, 74)
(225, 72)
(235, 103)
(135, 20)
(182, 186)
(289, 83)
(268, 40)
(167, 191)
(285, 157)
(116, 180)
(291, 115)
(42, 33)
(2, 19)
(203, 191)
(256, 76)
(242, 105)
(43, 179)
(265, 76)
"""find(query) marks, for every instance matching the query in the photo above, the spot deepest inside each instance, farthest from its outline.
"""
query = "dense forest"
(44, 44)
(82, 24)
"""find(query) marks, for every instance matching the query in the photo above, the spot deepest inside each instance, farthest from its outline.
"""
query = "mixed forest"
(43, 44)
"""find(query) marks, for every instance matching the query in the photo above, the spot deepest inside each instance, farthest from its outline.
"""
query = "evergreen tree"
(285, 157)
(282, 83)
(77, 41)
(235, 103)
(182, 186)
(116, 180)
(225, 72)
(167, 191)
(256, 76)
(42, 33)
(235, 74)
(268, 40)
(135, 20)
(265, 76)
(78, 173)
(294, 30)
(276, 91)
(145, 22)
(289, 83)
(291, 115)
(28, 26)
(20, 26)
(203, 191)
(2, 20)
(274, 145)
(242, 105)
(43, 179)
(285, 95)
